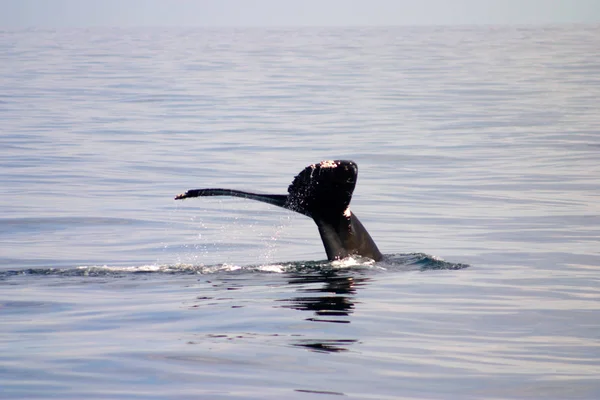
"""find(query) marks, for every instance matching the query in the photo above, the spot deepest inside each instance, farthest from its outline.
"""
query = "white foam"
(353, 261)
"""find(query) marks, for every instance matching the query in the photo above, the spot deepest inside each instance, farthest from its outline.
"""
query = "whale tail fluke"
(324, 189)
(275, 199)
(323, 192)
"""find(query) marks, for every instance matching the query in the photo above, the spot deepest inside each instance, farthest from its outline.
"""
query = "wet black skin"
(322, 192)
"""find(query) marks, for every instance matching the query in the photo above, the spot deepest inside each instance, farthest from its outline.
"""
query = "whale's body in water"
(323, 192)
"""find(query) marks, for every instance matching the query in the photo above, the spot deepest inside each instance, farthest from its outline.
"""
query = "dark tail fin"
(323, 192)
(275, 199)
(323, 189)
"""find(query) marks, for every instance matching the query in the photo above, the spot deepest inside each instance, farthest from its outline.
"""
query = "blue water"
(479, 179)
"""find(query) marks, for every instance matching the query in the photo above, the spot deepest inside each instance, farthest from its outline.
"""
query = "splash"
(390, 263)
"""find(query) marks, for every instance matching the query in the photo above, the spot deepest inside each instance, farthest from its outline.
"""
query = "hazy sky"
(81, 13)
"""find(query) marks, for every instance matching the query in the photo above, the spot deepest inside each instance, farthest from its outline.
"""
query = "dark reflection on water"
(331, 301)
(319, 392)
(328, 296)
(334, 298)
(326, 346)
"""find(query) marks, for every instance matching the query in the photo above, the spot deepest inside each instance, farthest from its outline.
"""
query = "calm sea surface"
(479, 146)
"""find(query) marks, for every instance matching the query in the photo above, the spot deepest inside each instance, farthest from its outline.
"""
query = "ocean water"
(479, 179)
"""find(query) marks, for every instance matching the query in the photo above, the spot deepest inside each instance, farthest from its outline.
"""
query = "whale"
(323, 192)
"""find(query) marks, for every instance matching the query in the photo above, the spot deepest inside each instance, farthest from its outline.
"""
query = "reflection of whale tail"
(323, 192)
